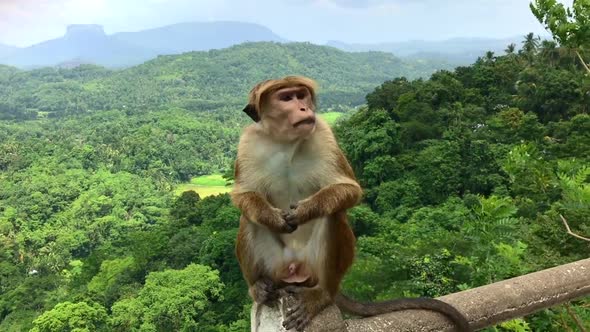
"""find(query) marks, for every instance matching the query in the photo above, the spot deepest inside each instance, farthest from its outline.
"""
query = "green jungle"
(466, 174)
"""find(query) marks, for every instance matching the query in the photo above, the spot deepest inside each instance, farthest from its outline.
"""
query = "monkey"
(293, 185)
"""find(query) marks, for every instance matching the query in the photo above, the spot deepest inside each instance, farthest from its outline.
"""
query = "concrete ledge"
(483, 306)
(270, 319)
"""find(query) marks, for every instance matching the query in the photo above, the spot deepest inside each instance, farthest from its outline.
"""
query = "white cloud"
(85, 11)
(26, 21)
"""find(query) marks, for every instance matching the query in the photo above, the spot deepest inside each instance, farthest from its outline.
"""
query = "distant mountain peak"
(88, 43)
(197, 36)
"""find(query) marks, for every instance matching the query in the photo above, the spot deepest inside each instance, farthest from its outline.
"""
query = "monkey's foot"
(297, 317)
(264, 291)
(308, 303)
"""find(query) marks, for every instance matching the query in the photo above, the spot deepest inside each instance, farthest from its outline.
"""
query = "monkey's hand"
(300, 212)
(258, 210)
(264, 291)
(276, 220)
(291, 218)
(327, 201)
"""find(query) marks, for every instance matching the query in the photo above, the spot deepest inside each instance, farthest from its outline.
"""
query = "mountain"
(197, 36)
(217, 78)
(88, 43)
(457, 51)
(6, 50)
(85, 43)
(214, 80)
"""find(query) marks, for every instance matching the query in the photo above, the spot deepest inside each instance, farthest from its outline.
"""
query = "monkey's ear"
(251, 111)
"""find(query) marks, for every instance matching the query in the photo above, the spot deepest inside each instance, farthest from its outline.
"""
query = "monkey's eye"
(286, 97)
(301, 95)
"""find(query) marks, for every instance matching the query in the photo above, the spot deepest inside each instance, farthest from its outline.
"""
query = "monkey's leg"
(264, 291)
(328, 272)
(309, 302)
(257, 249)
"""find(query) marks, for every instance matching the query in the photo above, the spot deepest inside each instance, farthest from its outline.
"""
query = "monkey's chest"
(289, 180)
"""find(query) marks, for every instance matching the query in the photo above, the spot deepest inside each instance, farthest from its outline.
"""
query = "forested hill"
(465, 174)
(206, 80)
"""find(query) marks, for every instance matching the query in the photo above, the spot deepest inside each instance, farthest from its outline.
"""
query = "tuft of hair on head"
(260, 92)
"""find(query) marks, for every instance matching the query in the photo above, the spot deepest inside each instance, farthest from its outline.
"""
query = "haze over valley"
(89, 44)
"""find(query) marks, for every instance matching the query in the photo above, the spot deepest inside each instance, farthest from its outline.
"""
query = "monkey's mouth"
(305, 121)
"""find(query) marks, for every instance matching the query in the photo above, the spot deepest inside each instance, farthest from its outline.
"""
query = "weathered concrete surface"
(491, 304)
(483, 306)
(271, 318)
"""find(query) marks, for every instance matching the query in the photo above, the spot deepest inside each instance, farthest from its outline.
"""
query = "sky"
(26, 22)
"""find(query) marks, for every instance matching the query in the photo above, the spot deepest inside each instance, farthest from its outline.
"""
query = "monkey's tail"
(378, 308)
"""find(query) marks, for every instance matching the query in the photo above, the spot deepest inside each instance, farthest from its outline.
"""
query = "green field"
(206, 185)
(213, 180)
(330, 117)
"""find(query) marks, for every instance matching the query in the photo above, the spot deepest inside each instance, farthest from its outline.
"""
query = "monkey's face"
(289, 114)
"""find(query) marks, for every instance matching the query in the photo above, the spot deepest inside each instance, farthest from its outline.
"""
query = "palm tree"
(529, 46)
(489, 56)
(549, 52)
(530, 43)
(510, 49)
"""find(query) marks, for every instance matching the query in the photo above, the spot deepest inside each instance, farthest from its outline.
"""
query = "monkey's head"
(285, 107)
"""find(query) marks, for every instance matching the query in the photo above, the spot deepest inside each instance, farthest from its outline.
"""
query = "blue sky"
(25, 22)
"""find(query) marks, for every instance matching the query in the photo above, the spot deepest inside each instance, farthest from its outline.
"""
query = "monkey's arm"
(341, 195)
(327, 201)
(258, 210)
(252, 204)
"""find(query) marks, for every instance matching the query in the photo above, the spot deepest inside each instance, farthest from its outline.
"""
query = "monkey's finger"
(290, 227)
(296, 311)
(294, 317)
(268, 288)
(283, 293)
(302, 323)
(272, 297)
(265, 282)
(261, 296)
(288, 325)
(298, 321)
(291, 218)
